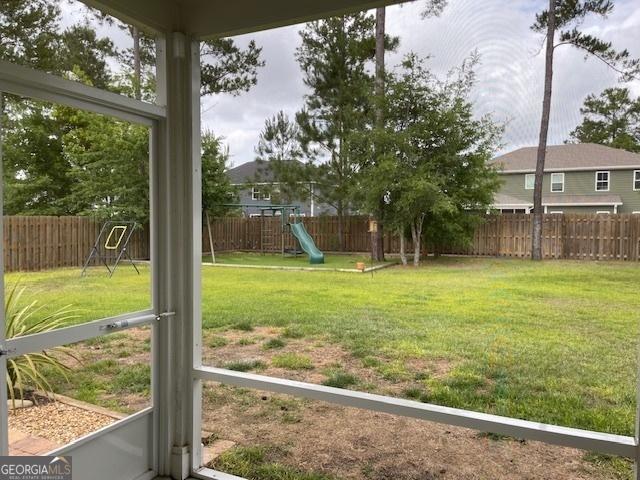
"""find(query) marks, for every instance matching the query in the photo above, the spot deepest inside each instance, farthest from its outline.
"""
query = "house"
(578, 178)
(256, 186)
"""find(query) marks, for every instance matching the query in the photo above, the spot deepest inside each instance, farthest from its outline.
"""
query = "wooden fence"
(40, 243)
(584, 237)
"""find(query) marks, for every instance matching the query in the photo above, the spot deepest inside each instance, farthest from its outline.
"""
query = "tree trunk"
(377, 237)
(536, 234)
(137, 70)
(213, 253)
(416, 244)
(340, 215)
(403, 253)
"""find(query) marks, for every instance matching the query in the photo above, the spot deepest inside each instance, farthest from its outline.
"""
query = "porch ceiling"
(207, 18)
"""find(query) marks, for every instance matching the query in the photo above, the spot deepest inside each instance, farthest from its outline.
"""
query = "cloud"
(509, 78)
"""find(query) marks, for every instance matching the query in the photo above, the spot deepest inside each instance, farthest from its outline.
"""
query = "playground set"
(290, 222)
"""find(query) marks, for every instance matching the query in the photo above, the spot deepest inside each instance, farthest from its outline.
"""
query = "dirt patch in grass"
(349, 443)
(311, 436)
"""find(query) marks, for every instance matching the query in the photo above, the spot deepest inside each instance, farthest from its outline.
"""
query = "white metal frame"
(551, 182)
(608, 180)
(176, 235)
(636, 179)
(29, 83)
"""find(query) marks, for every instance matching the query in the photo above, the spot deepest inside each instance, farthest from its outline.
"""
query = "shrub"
(28, 319)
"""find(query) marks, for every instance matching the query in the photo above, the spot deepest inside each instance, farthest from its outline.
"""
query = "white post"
(4, 418)
(177, 233)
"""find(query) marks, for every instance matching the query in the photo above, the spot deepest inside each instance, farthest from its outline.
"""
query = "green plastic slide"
(307, 243)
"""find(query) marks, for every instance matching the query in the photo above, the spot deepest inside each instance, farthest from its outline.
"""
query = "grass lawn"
(331, 261)
(553, 342)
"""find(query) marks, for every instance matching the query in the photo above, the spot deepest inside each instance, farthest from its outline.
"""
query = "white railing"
(606, 443)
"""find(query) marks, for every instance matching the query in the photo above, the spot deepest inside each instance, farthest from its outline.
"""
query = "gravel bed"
(56, 421)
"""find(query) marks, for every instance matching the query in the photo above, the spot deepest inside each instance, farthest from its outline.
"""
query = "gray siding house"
(256, 186)
(578, 178)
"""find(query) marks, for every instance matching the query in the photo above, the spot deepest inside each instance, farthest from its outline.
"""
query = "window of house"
(636, 180)
(255, 193)
(266, 196)
(557, 182)
(529, 181)
(602, 181)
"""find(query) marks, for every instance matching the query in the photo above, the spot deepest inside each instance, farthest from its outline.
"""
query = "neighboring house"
(260, 191)
(578, 178)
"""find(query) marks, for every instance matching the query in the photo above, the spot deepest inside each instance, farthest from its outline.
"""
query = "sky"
(509, 77)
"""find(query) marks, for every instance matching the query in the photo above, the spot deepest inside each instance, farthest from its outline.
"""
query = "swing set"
(111, 246)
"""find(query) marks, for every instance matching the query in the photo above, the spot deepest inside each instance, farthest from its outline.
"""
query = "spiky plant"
(28, 319)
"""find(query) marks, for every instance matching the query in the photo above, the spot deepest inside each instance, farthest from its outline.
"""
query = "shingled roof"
(250, 171)
(572, 156)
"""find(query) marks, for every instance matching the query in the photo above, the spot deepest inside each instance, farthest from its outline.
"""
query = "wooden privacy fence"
(40, 243)
(570, 236)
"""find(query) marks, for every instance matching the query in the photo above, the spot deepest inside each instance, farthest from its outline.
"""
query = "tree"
(29, 33)
(227, 68)
(431, 8)
(612, 119)
(566, 17)
(110, 167)
(279, 151)
(36, 174)
(333, 57)
(82, 49)
(434, 175)
(217, 190)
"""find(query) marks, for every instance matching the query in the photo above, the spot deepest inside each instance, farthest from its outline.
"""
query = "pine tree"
(560, 24)
(612, 119)
(333, 57)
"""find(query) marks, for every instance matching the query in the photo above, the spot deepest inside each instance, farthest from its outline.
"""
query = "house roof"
(255, 171)
(572, 156)
(508, 201)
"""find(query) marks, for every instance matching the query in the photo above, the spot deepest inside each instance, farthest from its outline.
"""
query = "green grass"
(292, 361)
(340, 379)
(273, 343)
(553, 342)
(253, 463)
(331, 261)
(244, 365)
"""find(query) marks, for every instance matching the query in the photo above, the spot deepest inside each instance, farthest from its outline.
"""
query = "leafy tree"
(434, 173)
(109, 161)
(612, 119)
(29, 33)
(279, 151)
(333, 57)
(82, 49)
(36, 174)
(217, 190)
(431, 8)
(560, 24)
